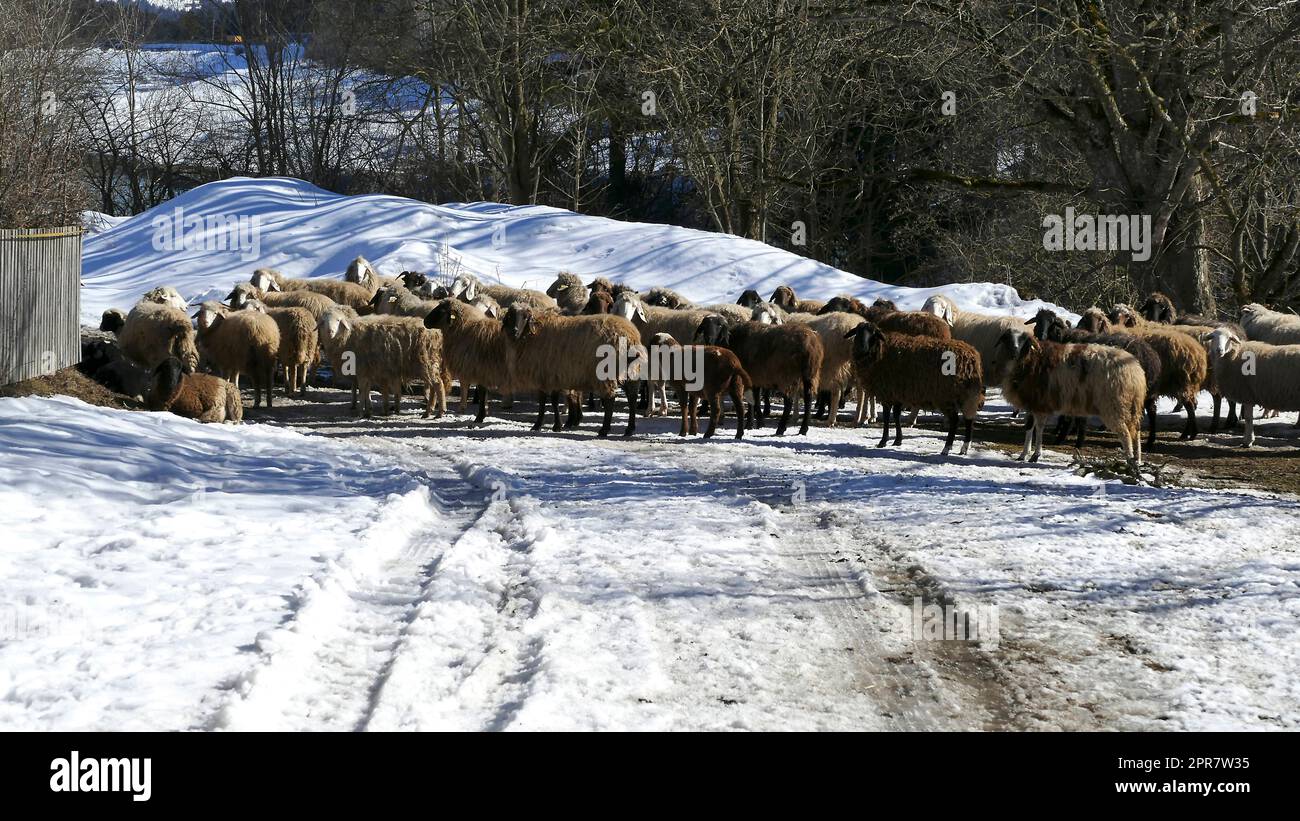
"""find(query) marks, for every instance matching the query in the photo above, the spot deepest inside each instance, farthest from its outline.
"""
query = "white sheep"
(388, 352)
(1254, 373)
(981, 331)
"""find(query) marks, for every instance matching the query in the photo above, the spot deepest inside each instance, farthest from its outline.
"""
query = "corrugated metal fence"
(40, 301)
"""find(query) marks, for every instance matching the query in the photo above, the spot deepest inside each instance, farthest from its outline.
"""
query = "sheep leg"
(631, 410)
(464, 396)
(884, 422)
(738, 403)
(1040, 425)
(1062, 428)
(643, 397)
(1029, 434)
(1248, 417)
(541, 411)
(837, 395)
(807, 406)
(575, 412)
(1082, 423)
(784, 421)
(687, 402)
(1190, 431)
(1151, 420)
(1232, 414)
(767, 402)
(911, 419)
(715, 414)
(952, 432)
(481, 396)
(607, 403)
(1214, 421)
(898, 425)
(970, 429)
(555, 408)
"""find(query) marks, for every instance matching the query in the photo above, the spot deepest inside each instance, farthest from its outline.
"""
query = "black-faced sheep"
(112, 321)
(1046, 378)
(198, 396)
(749, 298)
(783, 358)
(240, 342)
(600, 302)
(473, 348)
(1184, 366)
(919, 372)
(551, 354)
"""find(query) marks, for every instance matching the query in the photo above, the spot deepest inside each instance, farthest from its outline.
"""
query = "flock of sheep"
(392, 333)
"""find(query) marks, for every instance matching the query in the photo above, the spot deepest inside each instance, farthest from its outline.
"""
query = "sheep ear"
(1031, 322)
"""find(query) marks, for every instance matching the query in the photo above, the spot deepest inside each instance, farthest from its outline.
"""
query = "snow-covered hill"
(308, 232)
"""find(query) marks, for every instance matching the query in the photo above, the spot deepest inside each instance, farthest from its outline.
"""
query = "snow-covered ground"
(307, 571)
(413, 574)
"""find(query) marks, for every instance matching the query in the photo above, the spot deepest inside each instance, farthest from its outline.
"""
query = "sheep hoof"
(603, 434)
(1033, 459)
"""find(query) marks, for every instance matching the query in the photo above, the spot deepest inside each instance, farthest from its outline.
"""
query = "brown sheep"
(198, 396)
(1184, 365)
(919, 372)
(719, 373)
(784, 358)
(351, 294)
(238, 343)
(784, 298)
(600, 302)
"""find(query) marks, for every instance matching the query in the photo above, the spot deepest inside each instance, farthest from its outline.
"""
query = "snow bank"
(306, 231)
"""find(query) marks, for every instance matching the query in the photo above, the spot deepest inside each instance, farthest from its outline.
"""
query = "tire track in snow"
(325, 666)
(468, 660)
(918, 685)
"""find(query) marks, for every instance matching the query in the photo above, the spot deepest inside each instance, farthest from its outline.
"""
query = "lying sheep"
(1047, 325)
(1046, 378)
(125, 377)
(240, 342)
(299, 343)
(473, 348)
(154, 331)
(918, 372)
(552, 354)
(318, 304)
(981, 331)
(468, 288)
(784, 297)
(719, 373)
(193, 395)
(1184, 366)
(1273, 327)
(386, 353)
(351, 294)
(112, 321)
(1255, 373)
(569, 293)
(783, 358)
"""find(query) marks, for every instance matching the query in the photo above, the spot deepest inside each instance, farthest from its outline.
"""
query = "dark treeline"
(914, 143)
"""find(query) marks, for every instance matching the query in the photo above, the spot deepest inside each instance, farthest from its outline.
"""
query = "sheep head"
(263, 280)
(887, 304)
(1123, 315)
(630, 307)
(443, 316)
(600, 302)
(361, 272)
(766, 314)
(749, 298)
(520, 322)
(942, 307)
(1221, 342)
(868, 342)
(1094, 321)
(465, 287)
(1158, 308)
(713, 330)
(565, 282)
(166, 295)
(413, 279)
(783, 297)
